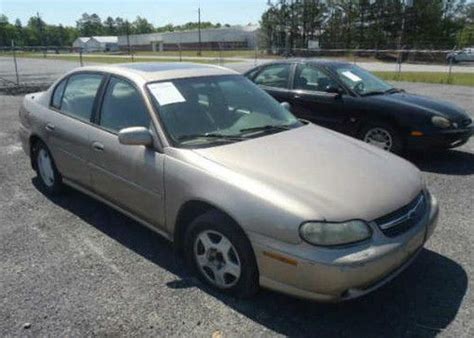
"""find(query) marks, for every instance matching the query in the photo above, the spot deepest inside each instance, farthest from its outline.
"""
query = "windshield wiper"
(375, 92)
(394, 90)
(210, 135)
(267, 127)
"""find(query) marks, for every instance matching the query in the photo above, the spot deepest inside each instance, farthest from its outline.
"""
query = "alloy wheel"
(45, 167)
(217, 259)
(379, 137)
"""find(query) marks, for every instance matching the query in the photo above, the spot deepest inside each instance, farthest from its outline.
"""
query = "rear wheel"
(382, 136)
(49, 177)
(221, 255)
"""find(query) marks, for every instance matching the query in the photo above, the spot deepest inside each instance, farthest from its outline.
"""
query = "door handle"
(98, 146)
(49, 127)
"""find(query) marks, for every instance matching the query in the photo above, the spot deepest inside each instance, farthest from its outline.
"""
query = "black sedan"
(348, 99)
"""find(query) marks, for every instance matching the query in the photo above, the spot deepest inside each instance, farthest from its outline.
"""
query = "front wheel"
(221, 255)
(382, 136)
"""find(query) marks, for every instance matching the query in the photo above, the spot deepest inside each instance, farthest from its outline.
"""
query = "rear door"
(69, 123)
(129, 176)
(311, 99)
(275, 80)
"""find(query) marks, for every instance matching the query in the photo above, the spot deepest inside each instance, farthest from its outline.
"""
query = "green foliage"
(365, 23)
(39, 33)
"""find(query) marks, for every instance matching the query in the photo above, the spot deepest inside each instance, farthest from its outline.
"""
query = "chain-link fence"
(38, 66)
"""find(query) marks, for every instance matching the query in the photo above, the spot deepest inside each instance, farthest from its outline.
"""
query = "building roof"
(105, 39)
(82, 39)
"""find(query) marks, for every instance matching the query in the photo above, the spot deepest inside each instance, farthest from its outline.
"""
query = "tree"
(89, 25)
(365, 23)
(110, 26)
(142, 26)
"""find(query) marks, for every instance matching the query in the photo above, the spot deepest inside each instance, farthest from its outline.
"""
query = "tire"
(383, 136)
(214, 246)
(48, 175)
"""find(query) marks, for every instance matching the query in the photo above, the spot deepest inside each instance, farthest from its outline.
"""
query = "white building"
(101, 44)
(228, 37)
(79, 43)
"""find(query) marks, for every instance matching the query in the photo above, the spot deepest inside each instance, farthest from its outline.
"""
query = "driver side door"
(129, 176)
(310, 98)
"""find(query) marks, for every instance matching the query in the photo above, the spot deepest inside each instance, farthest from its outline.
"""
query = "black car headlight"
(330, 234)
(440, 122)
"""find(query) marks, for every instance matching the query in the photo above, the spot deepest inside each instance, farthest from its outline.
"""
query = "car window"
(252, 73)
(58, 94)
(308, 77)
(274, 76)
(123, 107)
(79, 95)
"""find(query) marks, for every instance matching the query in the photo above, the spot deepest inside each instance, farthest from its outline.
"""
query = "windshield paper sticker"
(351, 76)
(166, 93)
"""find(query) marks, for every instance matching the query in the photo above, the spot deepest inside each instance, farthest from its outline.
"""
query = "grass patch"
(248, 53)
(461, 79)
(112, 59)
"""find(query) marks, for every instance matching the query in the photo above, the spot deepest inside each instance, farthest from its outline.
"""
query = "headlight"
(329, 234)
(441, 122)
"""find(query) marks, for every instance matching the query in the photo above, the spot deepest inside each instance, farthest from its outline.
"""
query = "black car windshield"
(362, 81)
(205, 111)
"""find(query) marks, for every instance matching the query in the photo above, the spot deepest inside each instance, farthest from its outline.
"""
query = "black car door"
(275, 80)
(317, 97)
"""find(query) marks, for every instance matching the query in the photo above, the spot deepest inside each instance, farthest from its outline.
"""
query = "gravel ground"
(45, 71)
(72, 266)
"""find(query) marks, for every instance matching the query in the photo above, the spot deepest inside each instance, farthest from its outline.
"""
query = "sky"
(158, 12)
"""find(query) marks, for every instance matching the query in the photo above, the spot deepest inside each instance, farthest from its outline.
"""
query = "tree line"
(434, 24)
(37, 32)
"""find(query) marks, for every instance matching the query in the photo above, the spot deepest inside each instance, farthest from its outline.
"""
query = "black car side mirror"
(334, 90)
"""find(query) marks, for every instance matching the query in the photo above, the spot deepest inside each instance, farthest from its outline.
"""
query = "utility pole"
(41, 32)
(127, 31)
(199, 31)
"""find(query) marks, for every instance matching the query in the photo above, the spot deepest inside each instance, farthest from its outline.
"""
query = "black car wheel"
(49, 177)
(382, 136)
(221, 255)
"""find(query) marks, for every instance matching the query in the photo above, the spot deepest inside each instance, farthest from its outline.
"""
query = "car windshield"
(206, 111)
(362, 81)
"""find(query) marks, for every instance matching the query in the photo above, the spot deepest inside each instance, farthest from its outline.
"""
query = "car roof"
(321, 62)
(160, 71)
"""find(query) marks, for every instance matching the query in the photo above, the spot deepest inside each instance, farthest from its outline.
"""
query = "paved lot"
(72, 266)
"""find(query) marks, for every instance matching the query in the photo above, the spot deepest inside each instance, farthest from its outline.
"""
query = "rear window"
(79, 95)
(58, 94)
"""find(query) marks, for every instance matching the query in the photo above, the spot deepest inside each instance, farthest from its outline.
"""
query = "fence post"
(16, 65)
(220, 54)
(80, 57)
(180, 53)
(450, 67)
(399, 63)
(131, 54)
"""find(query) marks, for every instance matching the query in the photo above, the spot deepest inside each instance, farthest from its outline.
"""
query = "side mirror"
(334, 90)
(286, 105)
(135, 136)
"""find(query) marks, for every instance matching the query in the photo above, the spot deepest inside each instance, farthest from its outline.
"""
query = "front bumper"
(325, 274)
(449, 138)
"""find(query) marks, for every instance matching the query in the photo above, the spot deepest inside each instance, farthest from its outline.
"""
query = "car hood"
(421, 103)
(336, 177)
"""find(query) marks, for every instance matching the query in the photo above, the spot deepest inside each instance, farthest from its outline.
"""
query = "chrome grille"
(403, 219)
